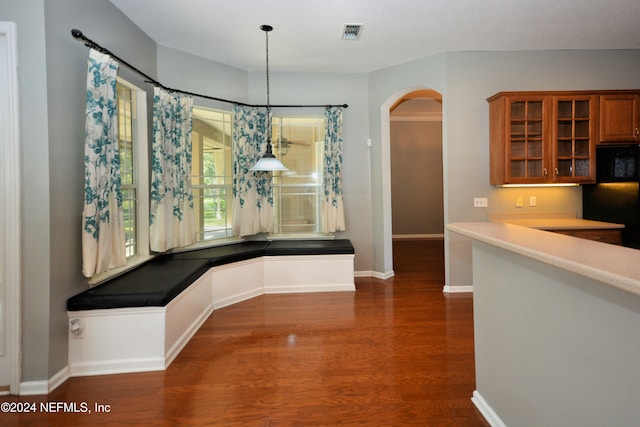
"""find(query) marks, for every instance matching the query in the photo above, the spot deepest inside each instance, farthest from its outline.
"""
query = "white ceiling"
(307, 33)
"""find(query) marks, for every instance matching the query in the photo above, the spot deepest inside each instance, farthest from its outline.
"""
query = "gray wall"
(385, 88)
(416, 178)
(34, 140)
(66, 85)
(552, 347)
(473, 77)
(52, 81)
(180, 70)
(465, 80)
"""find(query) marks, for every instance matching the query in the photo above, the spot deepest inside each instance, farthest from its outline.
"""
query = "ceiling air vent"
(351, 31)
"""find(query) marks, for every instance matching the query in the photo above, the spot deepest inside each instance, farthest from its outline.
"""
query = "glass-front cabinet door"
(543, 137)
(519, 133)
(574, 134)
(527, 144)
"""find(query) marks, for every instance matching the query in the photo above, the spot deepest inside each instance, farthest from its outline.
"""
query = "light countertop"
(611, 264)
(563, 224)
(553, 221)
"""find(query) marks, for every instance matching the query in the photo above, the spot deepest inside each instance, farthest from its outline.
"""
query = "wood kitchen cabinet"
(575, 129)
(619, 118)
(613, 237)
(519, 132)
(542, 137)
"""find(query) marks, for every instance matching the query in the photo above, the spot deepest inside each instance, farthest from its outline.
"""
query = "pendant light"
(268, 162)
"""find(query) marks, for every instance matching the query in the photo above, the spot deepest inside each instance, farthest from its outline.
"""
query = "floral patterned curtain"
(103, 244)
(172, 217)
(252, 196)
(332, 205)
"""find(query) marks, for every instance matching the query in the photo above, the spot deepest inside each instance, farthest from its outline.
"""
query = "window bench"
(141, 320)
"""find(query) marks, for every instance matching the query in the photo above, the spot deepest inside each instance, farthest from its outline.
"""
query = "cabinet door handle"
(636, 133)
(545, 172)
(556, 171)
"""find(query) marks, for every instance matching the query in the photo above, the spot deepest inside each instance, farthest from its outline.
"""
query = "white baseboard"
(120, 366)
(34, 388)
(363, 273)
(236, 298)
(346, 287)
(383, 276)
(487, 411)
(374, 274)
(457, 289)
(59, 378)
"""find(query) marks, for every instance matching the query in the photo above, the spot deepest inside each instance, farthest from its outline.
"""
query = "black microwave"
(617, 163)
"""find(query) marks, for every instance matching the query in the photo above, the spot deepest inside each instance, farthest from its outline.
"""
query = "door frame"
(10, 201)
(385, 136)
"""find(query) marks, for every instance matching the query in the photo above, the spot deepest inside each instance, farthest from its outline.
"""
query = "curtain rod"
(90, 43)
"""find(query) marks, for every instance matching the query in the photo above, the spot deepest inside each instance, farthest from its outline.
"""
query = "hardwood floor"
(395, 352)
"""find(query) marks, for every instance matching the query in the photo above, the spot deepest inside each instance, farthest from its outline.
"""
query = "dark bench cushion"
(226, 254)
(158, 281)
(309, 247)
(154, 283)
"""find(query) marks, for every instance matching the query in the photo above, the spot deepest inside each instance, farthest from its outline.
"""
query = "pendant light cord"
(266, 29)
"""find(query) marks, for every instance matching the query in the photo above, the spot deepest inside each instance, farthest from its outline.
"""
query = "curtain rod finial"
(76, 33)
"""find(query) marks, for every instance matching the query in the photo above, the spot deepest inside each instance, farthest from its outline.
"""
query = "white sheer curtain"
(252, 195)
(172, 217)
(332, 204)
(103, 242)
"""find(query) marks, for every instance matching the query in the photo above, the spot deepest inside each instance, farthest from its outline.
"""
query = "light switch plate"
(480, 202)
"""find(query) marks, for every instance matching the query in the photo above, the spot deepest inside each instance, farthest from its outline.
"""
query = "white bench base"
(140, 339)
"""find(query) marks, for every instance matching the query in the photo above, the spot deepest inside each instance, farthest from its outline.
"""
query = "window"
(297, 141)
(212, 173)
(126, 146)
(299, 144)
(132, 137)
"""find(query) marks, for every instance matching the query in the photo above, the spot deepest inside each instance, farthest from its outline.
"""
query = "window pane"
(298, 142)
(129, 208)
(212, 173)
(125, 132)
(126, 148)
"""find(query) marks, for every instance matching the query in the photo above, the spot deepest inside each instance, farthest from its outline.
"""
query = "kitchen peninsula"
(555, 321)
(565, 223)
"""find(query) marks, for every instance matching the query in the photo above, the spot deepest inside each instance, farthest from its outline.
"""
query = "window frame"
(314, 120)
(227, 177)
(141, 180)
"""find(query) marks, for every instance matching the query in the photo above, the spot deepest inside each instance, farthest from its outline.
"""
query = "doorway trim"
(10, 201)
(385, 146)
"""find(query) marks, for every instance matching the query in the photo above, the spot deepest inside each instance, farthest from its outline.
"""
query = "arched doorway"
(414, 199)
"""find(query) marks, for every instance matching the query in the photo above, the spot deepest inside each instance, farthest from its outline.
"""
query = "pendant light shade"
(268, 162)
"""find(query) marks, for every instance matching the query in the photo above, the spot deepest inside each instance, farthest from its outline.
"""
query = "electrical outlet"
(533, 201)
(480, 202)
(76, 328)
(519, 201)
